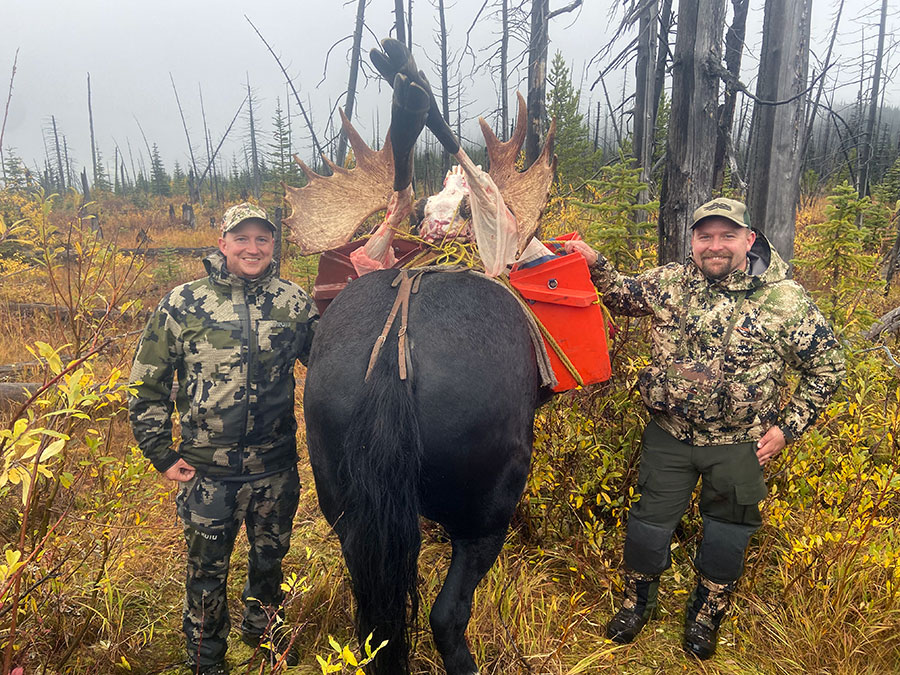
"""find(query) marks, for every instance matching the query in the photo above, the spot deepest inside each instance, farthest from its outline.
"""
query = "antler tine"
(310, 174)
(500, 152)
(361, 150)
(335, 169)
(525, 193)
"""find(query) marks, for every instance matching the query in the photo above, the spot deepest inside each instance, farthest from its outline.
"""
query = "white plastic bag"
(494, 224)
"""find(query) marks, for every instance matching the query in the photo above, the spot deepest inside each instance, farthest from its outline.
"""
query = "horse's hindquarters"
(453, 441)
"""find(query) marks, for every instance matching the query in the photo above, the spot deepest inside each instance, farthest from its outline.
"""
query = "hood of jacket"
(764, 267)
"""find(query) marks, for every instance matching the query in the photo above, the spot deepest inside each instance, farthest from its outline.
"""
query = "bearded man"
(726, 325)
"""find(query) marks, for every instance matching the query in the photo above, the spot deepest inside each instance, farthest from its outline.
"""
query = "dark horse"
(452, 443)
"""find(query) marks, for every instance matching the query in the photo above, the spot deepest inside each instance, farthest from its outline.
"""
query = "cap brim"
(719, 215)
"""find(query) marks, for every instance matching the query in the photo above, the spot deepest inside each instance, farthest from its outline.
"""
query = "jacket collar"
(219, 274)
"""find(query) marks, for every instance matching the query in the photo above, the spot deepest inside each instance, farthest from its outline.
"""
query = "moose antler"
(328, 210)
(525, 193)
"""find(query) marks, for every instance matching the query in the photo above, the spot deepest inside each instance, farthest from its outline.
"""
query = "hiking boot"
(705, 610)
(638, 607)
(274, 646)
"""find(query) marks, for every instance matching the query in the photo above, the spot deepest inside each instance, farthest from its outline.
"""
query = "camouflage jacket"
(232, 344)
(777, 326)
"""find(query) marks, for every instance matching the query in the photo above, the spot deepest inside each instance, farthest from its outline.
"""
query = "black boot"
(705, 610)
(638, 607)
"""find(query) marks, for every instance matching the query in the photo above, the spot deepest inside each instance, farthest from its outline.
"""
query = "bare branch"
(219, 146)
(184, 124)
(12, 77)
(290, 82)
(734, 82)
(327, 55)
(575, 4)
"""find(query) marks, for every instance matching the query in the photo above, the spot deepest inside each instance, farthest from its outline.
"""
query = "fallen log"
(888, 323)
(8, 369)
(198, 251)
(17, 392)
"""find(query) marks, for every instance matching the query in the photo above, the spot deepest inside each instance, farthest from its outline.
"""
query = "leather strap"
(406, 285)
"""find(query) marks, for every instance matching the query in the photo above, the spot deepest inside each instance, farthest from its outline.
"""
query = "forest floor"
(101, 590)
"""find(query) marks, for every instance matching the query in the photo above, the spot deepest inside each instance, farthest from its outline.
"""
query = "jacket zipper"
(244, 312)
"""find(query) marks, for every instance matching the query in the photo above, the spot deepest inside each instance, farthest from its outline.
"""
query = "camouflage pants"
(212, 512)
(732, 487)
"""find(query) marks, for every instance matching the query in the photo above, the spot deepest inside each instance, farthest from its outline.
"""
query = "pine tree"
(179, 180)
(101, 178)
(159, 179)
(577, 158)
(281, 164)
(16, 173)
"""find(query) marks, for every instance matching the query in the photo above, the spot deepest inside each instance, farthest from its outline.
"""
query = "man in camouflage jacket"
(231, 338)
(726, 325)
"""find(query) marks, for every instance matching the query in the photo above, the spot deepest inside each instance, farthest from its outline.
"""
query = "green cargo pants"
(732, 487)
(212, 511)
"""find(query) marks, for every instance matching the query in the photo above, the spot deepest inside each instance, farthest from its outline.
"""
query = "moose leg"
(470, 561)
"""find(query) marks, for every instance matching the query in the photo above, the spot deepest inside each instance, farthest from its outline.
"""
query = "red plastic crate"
(565, 301)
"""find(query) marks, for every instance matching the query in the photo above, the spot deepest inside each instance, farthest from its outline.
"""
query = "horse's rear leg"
(471, 560)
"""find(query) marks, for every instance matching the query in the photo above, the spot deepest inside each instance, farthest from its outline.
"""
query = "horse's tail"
(380, 525)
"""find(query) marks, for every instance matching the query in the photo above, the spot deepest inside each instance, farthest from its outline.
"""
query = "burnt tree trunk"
(445, 87)
(734, 49)
(868, 140)
(94, 166)
(59, 161)
(85, 187)
(691, 143)
(777, 132)
(188, 219)
(279, 212)
(254, 154)
(354, 75)
(504, 70)
(537, 79)
(644, 105)
(398, 21)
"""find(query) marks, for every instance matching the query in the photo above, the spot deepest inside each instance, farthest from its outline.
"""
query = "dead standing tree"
(691, 142)
(255, 174)
(445, 89)
(354, 74)
(317, 147)
(778, 129)
(734, 49)
(12, 79)
(399, 24)
(537, 73)
(94, 165)
(868, 139)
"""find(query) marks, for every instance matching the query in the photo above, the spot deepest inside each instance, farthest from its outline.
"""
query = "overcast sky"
(130, 48)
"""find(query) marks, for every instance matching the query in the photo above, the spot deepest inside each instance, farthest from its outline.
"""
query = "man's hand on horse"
(770, 445)
(180, 471)
(581, 247)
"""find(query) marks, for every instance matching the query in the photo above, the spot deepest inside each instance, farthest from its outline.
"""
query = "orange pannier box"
(565, 301)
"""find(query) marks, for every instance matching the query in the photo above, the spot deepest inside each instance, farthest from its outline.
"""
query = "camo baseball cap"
(238, 213)
(722, 207)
